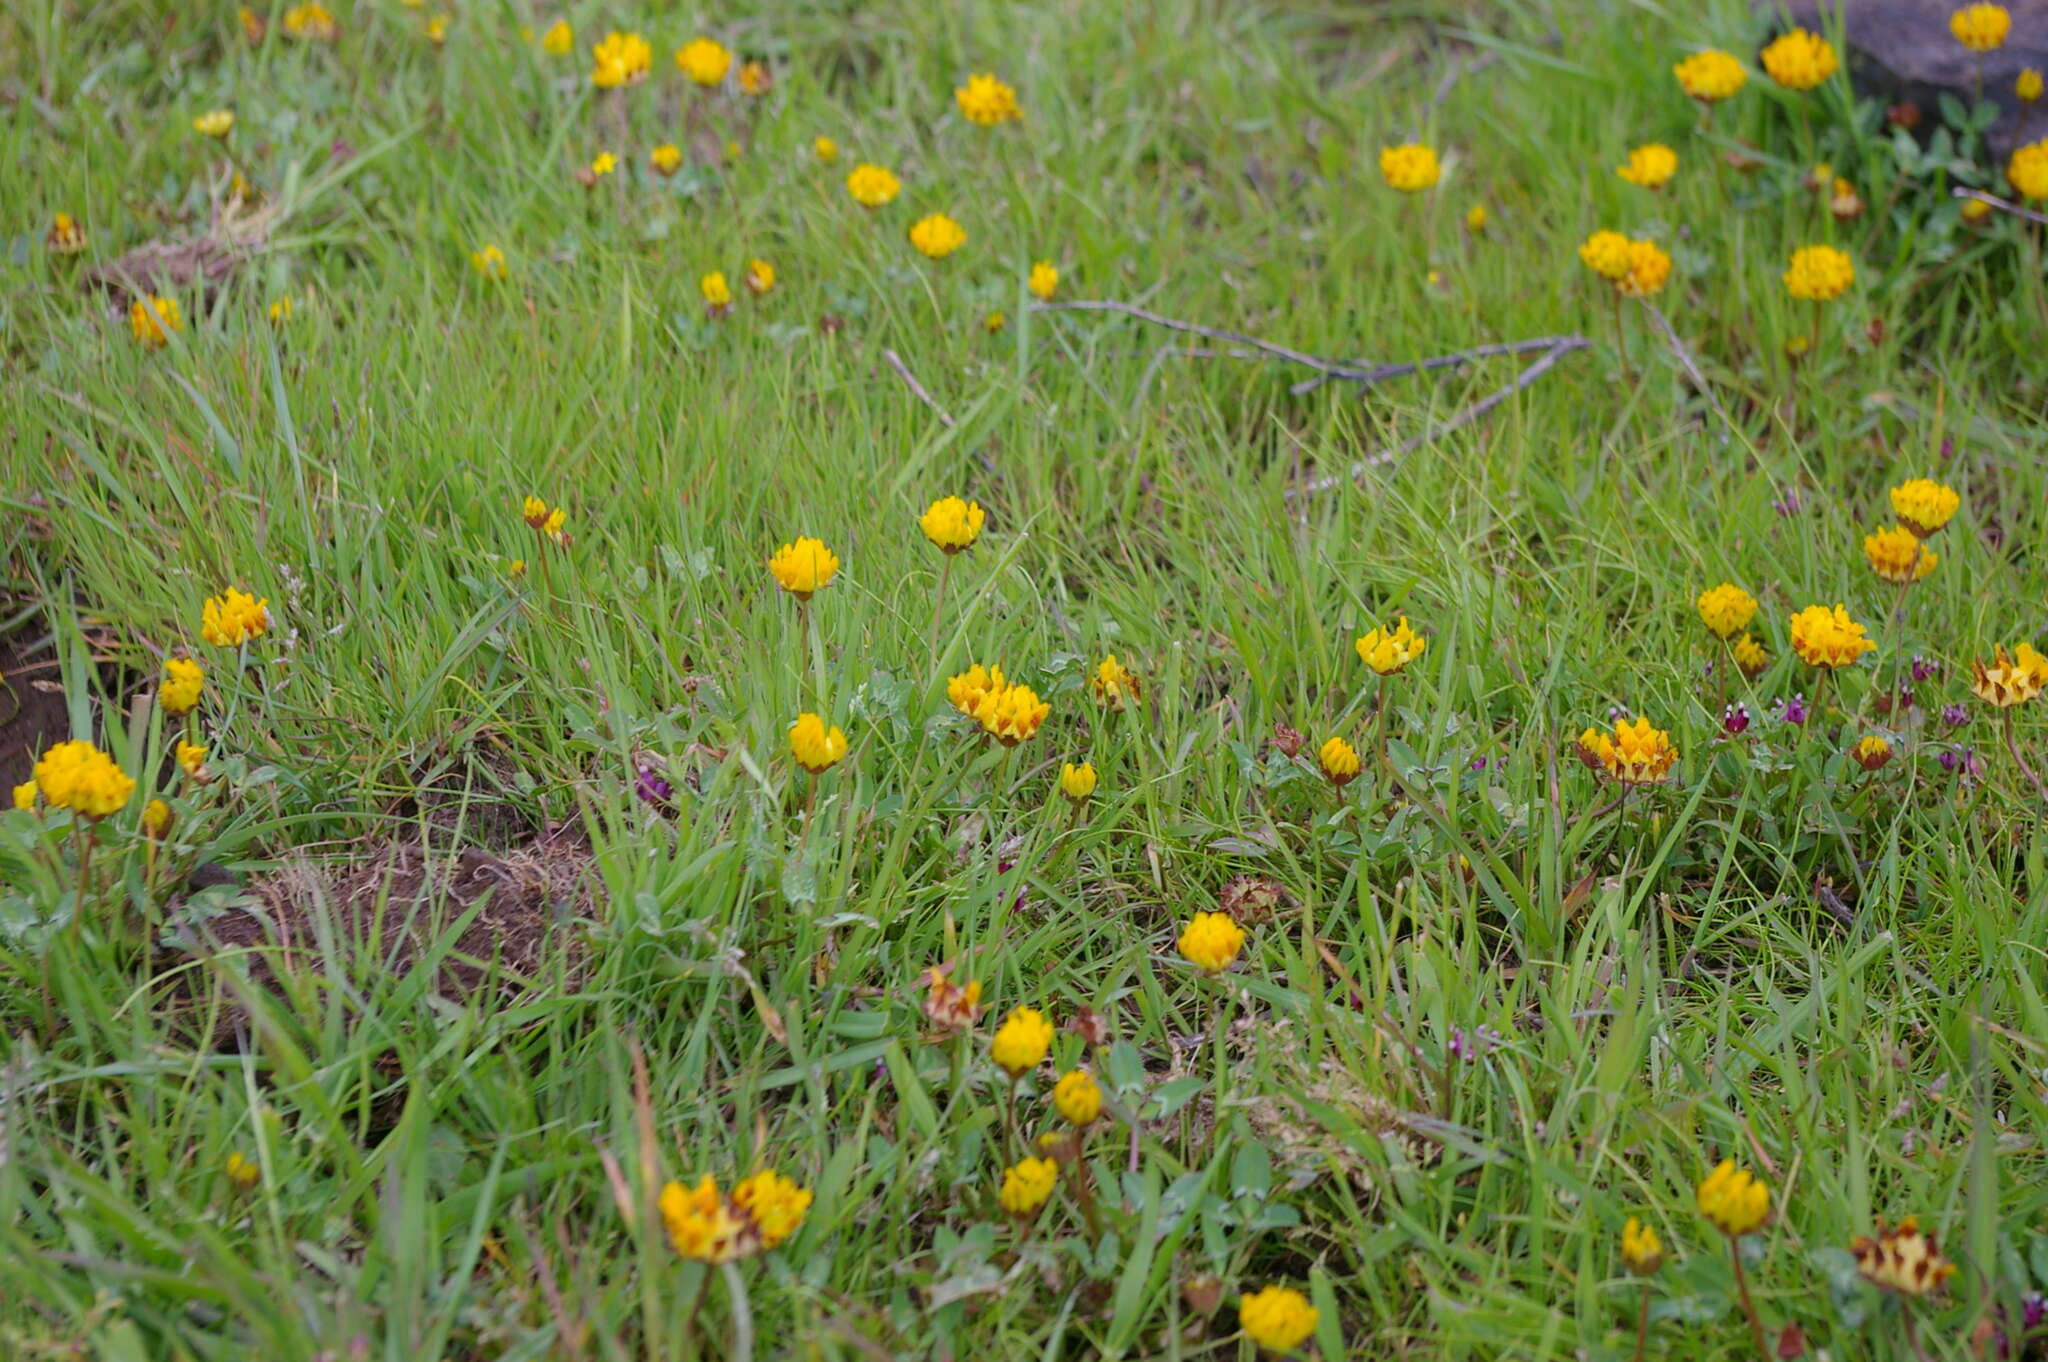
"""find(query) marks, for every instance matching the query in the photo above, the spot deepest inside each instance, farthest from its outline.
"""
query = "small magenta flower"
(1922, 668)
(1794, 710)
(1955, 715)
(1735, 720)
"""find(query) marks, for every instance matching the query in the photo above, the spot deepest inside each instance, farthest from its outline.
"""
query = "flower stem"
(938, 611)
(2012, 745)
(742, 1313)
(1756, 1325)
(85, 872)
(1010, 1140)
(1643, 1324)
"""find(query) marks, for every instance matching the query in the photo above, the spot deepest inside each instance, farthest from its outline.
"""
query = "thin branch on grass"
(1331, 367)
(1564, 345)
(1685, 359)
(2016, 210)
(910, 379)
(1380, 372)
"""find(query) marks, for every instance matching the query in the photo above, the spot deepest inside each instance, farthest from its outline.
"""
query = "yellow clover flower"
(1113, 683)
(66, 235)
(1277, 1319)
(1410, 168)
(1824, 637)
(1211, 941)
(2028, 170)
(760, 277)
(1475, 219)
(717, 295)
(184, 681)
(702, 1225)
(157, 819)
(1726, 609)
(970, 688)
(1637, 753)
(2027, 85)
(192, 761)
(1607, 255)
(1013, 714)
(825, 149)
(1800, 59)
(776, 1204)
(1021, 1043)
(1924, 505)
(937, 236)
(1642, 1252)
(872, 186)
(1077, 782)
(1819, 274)
(216, 123)
(488, 261)
(1710, 76)
(1077, 1098)
(755, 79)
(1750, 657)
(666, 159)
(604, 164)
(986, 101)
(1388, 651)
(1871, 752)
(559, 40)
(1027, 1185)
(1903, 1260)
(1339, 760)
(1649, 268)
(79, 777)
(1981, 28)
(1651, 165)
(620, 59)
(816, 748)
(804, 567)
(1897, 556)
(1734, 1200)
(234, 618)
(704, 60)
(310, 23)
(25, 796)
(952, 523)
(152, 318)
(243, 1174)
(1044, 280)
(2009, 679)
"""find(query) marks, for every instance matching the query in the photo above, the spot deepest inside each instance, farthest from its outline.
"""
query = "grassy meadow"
(499, 900)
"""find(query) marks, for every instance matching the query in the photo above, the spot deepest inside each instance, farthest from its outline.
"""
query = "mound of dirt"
(32, 711)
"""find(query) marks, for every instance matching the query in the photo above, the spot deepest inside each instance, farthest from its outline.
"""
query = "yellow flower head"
(816, 748)
(1012, 715)
(1924, 505)
(775, 1204)
(1607, 255)
(704, 60)
(311, 23)
(826, 150)
(1021, 1042)
(184, 680)
(760, 277)
(1044, 281)
(986, 101)
(534, 512)
(1651, 165)
(234, 618)
(804, 567)
(1710, 76)
(1211, 941)
(2009, 679)
(1339, 760)
(1981, 28)
(1077, 782)
(157, 819)
(437, 29)
(1410, 168)
(604, 163)
(1642, 1252)
(937, 236)
(970, 688)
(559, 40)
(1734, 1200)
(1871, 752)
(2027, 85)
(701, 1223)
(1027, 1184)
(1819, 273)
(666, 159)
(994, 321)
(280, 310)
(152, 318)
(1800, 60)
(756, 79)
(716, 293)
(25, 796)
(488, 261)
(1649, 267)
(1277, 1319)
(66, 235)
(1897, 556)
(1114, 684)
(872, 185)
(214, 123)
(79, 777)
(1388, 651)
(1903, 1260)
(1637, 753)
(1726, 609)
(620, 59)
(950, 1006)
(1750, 657)
(1824, 637)
(253, 24)
(2028, 170)
(952, 523)
(243, 1174)
(1077, 1098)
(192, 761)
(1475, 219)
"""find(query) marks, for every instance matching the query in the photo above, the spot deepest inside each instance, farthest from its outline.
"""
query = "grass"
(1491, 1017)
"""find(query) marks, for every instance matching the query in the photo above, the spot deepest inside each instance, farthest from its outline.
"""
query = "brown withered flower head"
(1903, 1260)
(1252, 899)
(948, 1006)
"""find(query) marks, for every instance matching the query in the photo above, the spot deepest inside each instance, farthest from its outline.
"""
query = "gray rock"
(1901, 51)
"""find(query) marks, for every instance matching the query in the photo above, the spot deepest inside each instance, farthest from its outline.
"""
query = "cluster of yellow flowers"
(233, 618)
(1410, 168)
(986, 101)
(705, 1226)
(80, 777)
(1637, 268)
(1638, 752)
(1799, 59)
(1651, 165)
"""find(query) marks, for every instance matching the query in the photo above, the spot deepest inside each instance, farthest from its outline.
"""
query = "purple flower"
(2033, 1312)
(1735, 719)
(1954, 715)
(1922, 668)
(1787, 505)
(1479, 763)
(1949, 759)
(649, 785)
(1474, 1044)
(1794, 710)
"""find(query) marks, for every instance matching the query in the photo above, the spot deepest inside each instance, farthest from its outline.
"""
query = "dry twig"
(903, 372)
(1980, 196)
